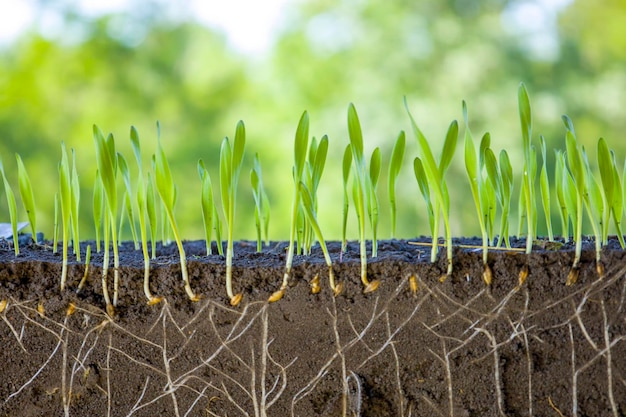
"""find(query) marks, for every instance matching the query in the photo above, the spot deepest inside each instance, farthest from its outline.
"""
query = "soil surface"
(414, 347)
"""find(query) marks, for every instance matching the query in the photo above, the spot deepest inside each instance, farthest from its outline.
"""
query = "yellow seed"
(523, 274)
(236, 299)
(71, 309)
(110, 310)
(371, 287)
(600, 269)
(40, 309)
(413, 284)
(277, 295)
(154, 301)
(338, 289)
(443, 277)
(572, 277)
(487, 275)
(315, 284)
(3, 305)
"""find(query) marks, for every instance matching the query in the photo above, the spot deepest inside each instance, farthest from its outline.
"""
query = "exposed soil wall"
(452, 348)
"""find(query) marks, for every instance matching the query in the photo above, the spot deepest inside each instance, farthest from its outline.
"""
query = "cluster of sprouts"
(153, 193)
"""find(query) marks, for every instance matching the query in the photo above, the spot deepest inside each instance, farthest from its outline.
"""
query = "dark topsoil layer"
(452, 348)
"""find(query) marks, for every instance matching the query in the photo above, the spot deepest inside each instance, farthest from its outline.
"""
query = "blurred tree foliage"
(118, 73)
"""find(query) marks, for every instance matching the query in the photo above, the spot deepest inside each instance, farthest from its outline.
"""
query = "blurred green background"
(146, 61)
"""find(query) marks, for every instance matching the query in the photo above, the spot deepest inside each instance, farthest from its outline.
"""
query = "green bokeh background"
(136, 68)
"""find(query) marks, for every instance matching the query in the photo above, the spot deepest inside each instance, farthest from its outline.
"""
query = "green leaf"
(422, 182)
(428, 160)
(449, 147)
(544, 188)
(318, 163)
(225, 175)
(27, 195)
(356, 136)
(207, 205)
(107, 165)
(525, 118)
(98, 207)
(12, 208)
(301, 144)
(375, 166)
(395, 163)
(607, 168)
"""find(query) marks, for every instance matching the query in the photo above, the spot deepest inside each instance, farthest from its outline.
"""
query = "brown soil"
(452, 348)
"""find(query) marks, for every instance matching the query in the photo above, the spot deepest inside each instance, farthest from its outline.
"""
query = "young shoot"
(482, 188)
(595, 208)
(363, 190)
(231, 157)
(27, 195)
(8, 192)
(98, 207)
(65, 193)
(395, 163)
(544, 189)
(435, 176)
(301, 143)
(559, 185)
(371, 185)
(309, 210)
(151, 210)
(527, 197)
(312, 174)
(128, 191)
(261, 204)
(501, 178)
(74, 207)
(346, 166)
(167, 191)
(206, 203)
(612, 191)
(106, 160)
(142, 212)
(574, 188)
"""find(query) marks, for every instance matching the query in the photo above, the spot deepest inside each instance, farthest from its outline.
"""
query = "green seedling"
(65, 193)
(482, 188)
(559, 185)
(128, 191)
(301, 143)
(151, 210)
(106, 159)
(612, 191)
(372, 197)
(311, 176)
(261, 204)
(527, 197)
(501, 178)
(345, 175)
(142, 212)
(309, 210)
(422, 182)
(74, 207)
(595, 207)
(231, 157)
(574, 189)
(167, 191)
(544, 189)
(8, 192)
(55, 230)
(363, 191)
(435, 176)
(207, 204)
(395, 163)
(98, 208)
(27, 195)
